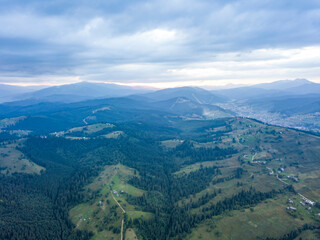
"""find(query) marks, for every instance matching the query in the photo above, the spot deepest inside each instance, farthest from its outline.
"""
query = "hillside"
(285, 103)
(173, 179)
(46, 117)
(195, 94)
(153, 167)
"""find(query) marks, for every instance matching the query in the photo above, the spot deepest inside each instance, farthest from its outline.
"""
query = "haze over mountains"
(286, 103)
(278, 88)
(88, 90)
(70, 92)
(11, 93)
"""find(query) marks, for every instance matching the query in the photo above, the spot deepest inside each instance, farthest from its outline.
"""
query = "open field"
(309, 235)
(84, 131)
(173, 143)
(100, 213)
(296, 152)
(267, 219)
(130, 234)
(13, 161)
(263, 160)
(263, 153)
(115, 134)
(196, 166)
(89, 129)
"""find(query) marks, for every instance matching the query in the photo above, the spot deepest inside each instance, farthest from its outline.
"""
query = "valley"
(220, 179)
(160, 120)
(105, 207)
(148, 167)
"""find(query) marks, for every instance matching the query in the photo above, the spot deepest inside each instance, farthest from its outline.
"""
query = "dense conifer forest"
(181, 181)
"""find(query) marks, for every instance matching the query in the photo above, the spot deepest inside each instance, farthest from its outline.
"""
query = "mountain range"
(273, 103)
(69, 93)
(87, 90)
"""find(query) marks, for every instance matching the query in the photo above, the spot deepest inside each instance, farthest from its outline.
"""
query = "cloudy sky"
(159, 43)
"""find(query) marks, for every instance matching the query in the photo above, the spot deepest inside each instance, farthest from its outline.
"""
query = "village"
(292, 206)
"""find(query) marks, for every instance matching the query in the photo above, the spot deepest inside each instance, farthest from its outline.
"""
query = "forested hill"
(168, 179)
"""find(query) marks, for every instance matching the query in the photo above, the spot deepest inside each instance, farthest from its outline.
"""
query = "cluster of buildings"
(293, 178)
(116, 193)
(307, 203)
(270, 171)
(290, 207)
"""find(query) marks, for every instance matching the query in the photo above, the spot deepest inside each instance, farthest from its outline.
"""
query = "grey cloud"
(96, 39)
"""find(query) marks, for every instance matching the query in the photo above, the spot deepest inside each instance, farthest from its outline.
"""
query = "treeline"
(37, 206)
(295, 233)
(201, 200)
(182, 220)
(28, 212)
(69, 166)
(191, 183)
(178, 188)
(194, 155)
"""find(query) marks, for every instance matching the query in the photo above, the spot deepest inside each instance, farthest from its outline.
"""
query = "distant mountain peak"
(81, 91)
(302, 80)
(283, 84)
(195, 94)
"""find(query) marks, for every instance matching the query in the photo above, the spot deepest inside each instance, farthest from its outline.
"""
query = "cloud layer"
(187, 42)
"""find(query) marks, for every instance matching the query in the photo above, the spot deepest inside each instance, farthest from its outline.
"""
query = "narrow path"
(253, 157)
(117, 202)
(282, 180)
(78, 223)
(122, 229)
(123, 211)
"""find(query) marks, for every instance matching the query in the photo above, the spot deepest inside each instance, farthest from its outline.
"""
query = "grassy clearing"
(267, 219)
(261, 149)
(115, 134)
(90, 216)
(130, 234)
(83, 131)
(309, 235)
(296, 152)
(139, 214)
(194, 167)
(171, 143)
(254, 175)
(89, 129)
(13, 161)
(309, 184)
(100, 213)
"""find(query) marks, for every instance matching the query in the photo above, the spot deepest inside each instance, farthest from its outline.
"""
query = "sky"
(159, 43)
